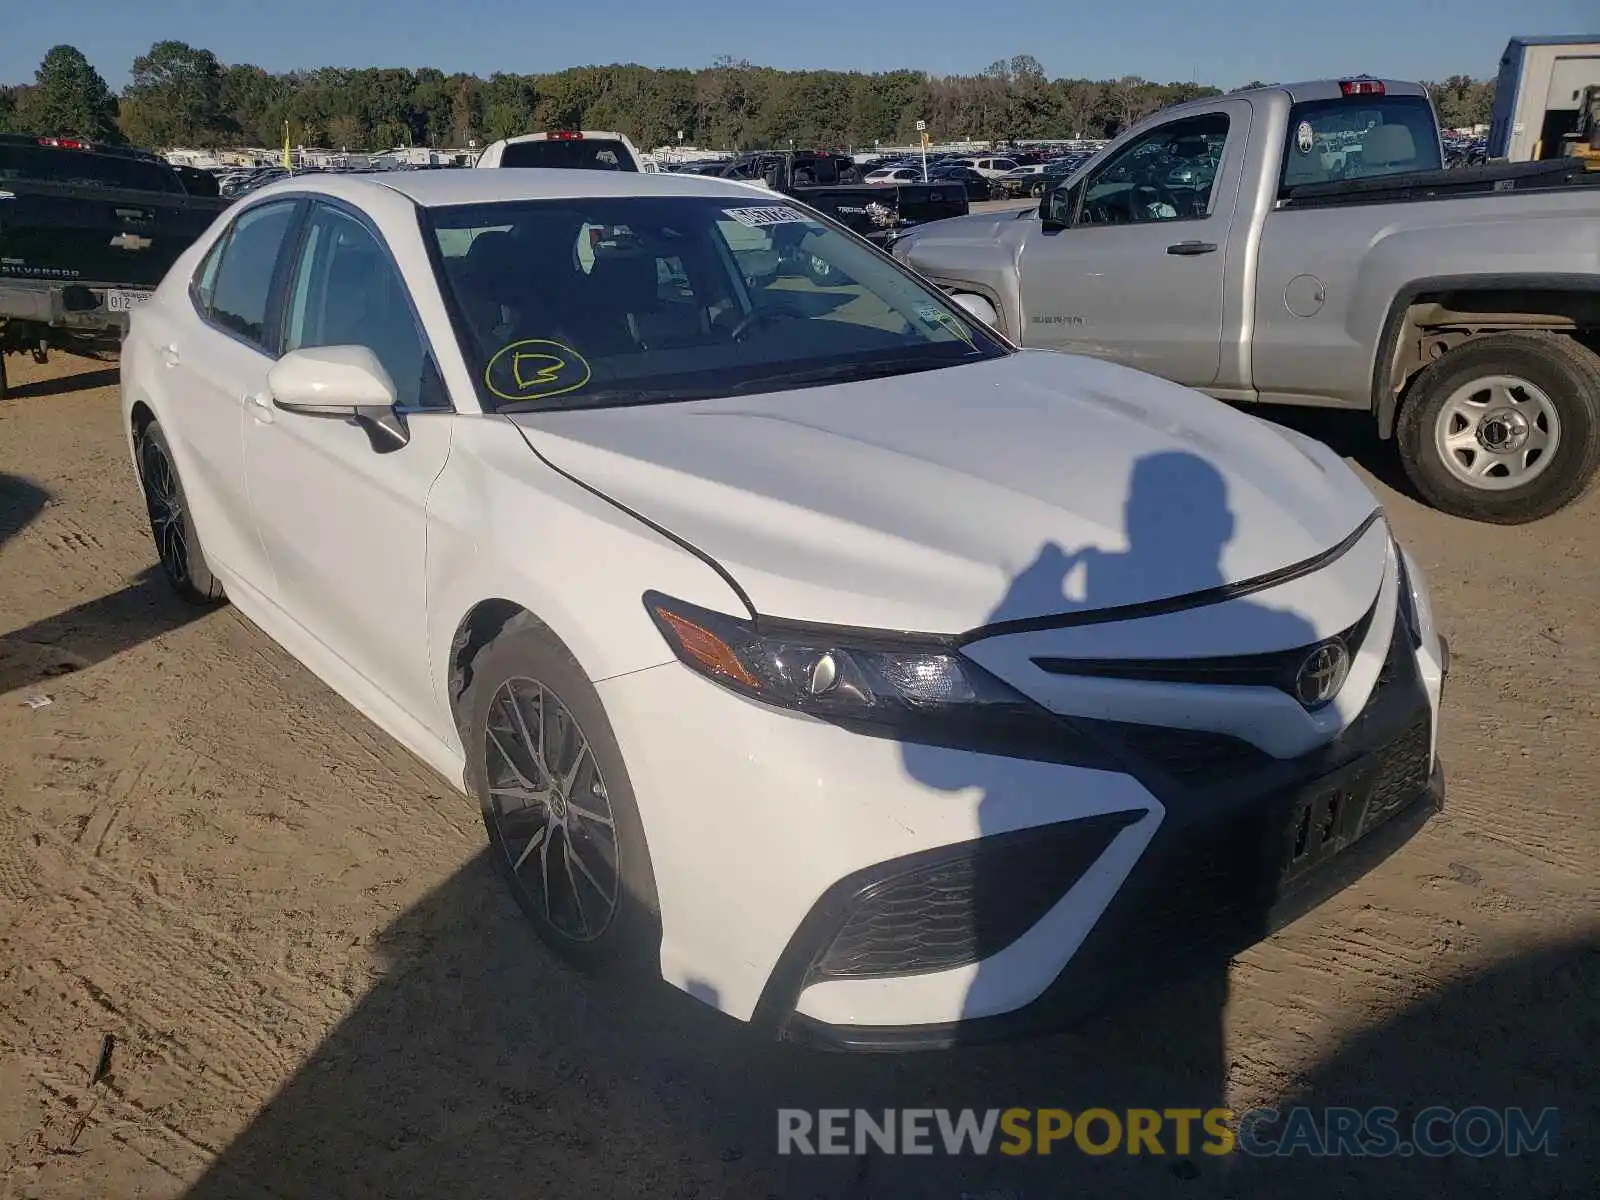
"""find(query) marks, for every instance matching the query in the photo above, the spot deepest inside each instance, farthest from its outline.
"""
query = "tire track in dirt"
(109, 944)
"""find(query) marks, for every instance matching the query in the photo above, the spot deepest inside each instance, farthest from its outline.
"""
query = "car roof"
(437, 189)
(584, 134)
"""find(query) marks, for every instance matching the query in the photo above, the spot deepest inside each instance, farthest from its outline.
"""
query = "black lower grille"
(963, 904)
(1192, 755)
(1404, 772)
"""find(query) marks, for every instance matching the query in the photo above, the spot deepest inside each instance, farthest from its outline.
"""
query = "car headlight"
(1416, 605)
(898, 686)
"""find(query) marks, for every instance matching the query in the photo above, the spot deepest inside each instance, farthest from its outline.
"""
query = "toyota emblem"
(1322, 674)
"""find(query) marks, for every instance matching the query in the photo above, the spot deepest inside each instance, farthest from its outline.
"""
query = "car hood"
(918, 502)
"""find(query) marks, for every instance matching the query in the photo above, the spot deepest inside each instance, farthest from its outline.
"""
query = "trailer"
(1538, 95)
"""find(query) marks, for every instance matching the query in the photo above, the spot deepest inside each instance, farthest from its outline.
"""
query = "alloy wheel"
(550, 809)
(168, 524)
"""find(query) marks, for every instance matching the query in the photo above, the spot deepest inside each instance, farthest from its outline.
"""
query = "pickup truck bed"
(1299, 245)
(85, 233)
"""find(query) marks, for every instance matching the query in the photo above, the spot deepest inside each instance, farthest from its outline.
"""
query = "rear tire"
(557, 803)
(183, 561)
(1505, 428)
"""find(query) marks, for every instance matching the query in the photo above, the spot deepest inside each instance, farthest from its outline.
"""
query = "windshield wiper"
(846, 373)
(608, 398)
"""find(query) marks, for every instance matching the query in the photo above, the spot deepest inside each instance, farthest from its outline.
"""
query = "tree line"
(181, 95)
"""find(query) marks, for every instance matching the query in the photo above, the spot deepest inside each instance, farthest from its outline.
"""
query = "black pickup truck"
(86, 233)
(831, 183)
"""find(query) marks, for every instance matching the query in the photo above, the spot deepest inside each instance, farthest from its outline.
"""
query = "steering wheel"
(1150, 188)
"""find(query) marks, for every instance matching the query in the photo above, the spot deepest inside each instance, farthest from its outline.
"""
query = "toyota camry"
(802, 641)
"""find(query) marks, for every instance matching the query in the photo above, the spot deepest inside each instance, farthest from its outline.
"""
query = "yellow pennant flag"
(288, 163)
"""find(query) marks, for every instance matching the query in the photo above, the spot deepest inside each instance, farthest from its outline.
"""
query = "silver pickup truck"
(1299, 244)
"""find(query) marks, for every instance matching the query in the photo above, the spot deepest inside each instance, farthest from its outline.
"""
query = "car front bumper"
(814, 880)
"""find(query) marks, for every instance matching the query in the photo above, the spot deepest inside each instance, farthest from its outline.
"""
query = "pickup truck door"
(1139, 276)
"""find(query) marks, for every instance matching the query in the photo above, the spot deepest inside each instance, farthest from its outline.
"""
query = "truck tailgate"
(91, 235)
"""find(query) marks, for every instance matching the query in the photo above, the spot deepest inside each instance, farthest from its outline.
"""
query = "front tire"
(557, 803)
(183, 561)
(1505, 428)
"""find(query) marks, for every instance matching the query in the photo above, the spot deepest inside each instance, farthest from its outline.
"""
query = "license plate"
(118, 300)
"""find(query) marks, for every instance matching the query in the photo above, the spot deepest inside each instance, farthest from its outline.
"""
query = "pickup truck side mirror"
(1055, 209)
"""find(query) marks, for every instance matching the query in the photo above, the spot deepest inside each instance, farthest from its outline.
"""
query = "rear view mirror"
(343, 382)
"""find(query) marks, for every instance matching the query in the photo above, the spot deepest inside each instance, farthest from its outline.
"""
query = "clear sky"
(1225, 42)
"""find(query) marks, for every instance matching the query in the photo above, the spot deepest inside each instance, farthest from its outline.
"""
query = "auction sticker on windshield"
(771, 214)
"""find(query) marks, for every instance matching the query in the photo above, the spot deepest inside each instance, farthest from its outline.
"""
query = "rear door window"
(242, 285)
(585, 154)
(1359, 137)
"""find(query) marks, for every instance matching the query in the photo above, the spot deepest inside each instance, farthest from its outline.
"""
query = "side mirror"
(978, 307)
(346, 383)
(1055, 208)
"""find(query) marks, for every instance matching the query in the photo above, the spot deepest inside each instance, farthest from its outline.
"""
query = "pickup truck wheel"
(1504, 428)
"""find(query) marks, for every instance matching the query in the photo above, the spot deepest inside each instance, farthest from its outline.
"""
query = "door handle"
(260, 407)
(169, 354)
(1191, 248)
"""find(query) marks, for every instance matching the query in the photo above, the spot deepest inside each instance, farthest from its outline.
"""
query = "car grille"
(1223, 880)
(1192, 755)
(1403, 773)
(1276, 669)
(968, 903)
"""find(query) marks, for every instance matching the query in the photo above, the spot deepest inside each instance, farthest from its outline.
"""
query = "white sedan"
(864, 675)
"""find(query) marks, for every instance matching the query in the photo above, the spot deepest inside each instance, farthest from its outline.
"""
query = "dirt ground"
(317, 988)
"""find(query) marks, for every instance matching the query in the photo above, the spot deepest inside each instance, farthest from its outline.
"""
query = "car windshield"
(591, 154)
(597, 302)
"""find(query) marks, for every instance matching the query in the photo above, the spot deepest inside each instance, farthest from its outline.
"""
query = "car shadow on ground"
(93, 631)
(478, 1067)
(21, 500)
(61, 386)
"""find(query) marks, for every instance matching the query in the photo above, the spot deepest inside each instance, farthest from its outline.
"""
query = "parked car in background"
(978, 187)
(989, 168)
(1021, 181)
(1301, 244)
(893, 175)
(630, 553)
(86, 232)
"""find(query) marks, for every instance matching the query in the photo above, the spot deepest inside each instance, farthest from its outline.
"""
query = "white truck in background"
(581, 149)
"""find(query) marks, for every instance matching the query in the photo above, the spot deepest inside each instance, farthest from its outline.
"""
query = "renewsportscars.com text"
(1260, 1132)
